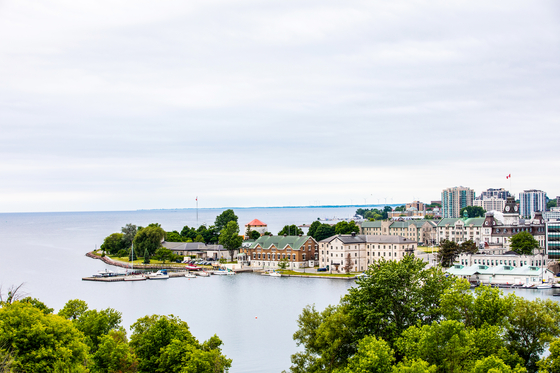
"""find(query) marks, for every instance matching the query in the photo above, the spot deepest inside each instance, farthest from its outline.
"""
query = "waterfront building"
(454, 199)
(553, 239)
(490, 203)
(197, 249)
(528, 276)
(497, 234)
(507, 258)
(420, 231)
(531, 201)
(255, 225)
(267, 251)
(362, 250)
(460, 230)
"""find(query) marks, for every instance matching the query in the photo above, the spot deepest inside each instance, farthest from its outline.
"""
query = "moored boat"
(159, 275)
(190, 275)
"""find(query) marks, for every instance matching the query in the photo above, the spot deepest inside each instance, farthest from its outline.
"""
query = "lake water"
(254, 315)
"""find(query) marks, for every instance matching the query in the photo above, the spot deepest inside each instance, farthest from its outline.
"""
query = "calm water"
(254, 315)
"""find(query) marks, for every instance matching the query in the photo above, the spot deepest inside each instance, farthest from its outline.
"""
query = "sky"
(125, 105)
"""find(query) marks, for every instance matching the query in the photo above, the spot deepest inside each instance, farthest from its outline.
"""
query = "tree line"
(78, 339)
(147, 241)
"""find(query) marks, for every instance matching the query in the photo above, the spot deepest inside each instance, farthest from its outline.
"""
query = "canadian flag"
(508, 176)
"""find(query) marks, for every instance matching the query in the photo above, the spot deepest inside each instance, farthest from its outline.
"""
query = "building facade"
(553, 239)
(255, 225)
(531, 201)
(360, 251)
(267, 251)
(497, 234)
(500, 193)
(490, 203)
(420, 231)
(454, 199)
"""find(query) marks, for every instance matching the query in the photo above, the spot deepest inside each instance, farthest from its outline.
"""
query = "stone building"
(267, 251)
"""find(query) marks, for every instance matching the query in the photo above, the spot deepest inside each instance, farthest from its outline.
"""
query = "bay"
(254, 315)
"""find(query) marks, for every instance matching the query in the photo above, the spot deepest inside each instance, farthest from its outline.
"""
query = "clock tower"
(511, 212)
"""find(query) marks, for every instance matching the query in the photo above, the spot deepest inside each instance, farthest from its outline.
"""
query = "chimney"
(353, 234)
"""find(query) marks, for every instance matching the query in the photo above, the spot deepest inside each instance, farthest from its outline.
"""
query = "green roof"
(280, 242)
(371, 224)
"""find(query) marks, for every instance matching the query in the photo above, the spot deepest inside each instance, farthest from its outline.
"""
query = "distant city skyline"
(110, 106)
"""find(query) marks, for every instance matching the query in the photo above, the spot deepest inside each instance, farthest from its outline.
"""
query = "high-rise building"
(454, 199)
(531, 201)
(495, 192)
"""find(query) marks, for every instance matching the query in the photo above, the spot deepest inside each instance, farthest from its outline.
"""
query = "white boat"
(227, 272)
(203, 274)
(105, 273)
(190, 275)
(159, 275)
(275, 274)
(135, 278)
(544, 286)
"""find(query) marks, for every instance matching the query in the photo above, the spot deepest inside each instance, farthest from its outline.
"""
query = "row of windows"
(278, 256)
(491, 262)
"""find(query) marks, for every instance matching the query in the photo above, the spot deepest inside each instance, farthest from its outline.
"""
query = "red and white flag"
(508, 176)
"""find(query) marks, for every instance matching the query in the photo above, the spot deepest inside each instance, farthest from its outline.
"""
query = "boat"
(135, 278)
(271, 273)
(105, 273)
(203, 274)
(190, 275)
(227, 272)
(159, 275)
(544, 286)
(189, 267)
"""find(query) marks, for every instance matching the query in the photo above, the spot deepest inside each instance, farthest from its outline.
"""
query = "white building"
(528, 276)
(491, 203)
(362, 250)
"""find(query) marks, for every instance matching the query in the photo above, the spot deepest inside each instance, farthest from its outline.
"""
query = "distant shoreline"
(210, 208)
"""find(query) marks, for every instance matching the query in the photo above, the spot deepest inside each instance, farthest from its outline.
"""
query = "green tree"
(493, 364)
(290, 230)
(163, 254)
(327, 338)
(113, 243)
(551, 203)
(532, 326)
(224, 218)
(348, 263)
(283, 264)
(400, 208)
(485, 305)
(146, 257)
(149, 238)
(324, 231)
(41, 342)
(343, 227)
(394, 296)
(230, 238)
(93, 323)
(414, 366)
(129, 231)
(199, 238)
(37, 304)
(523, 243)
(551, 363)
(313, 228)
(187, 232)
(254, 235)
(448, 251)
(473, 211)
(174, 236)
(114, 354)
(468, 246)
(73, 309)
(373, 355)
(165, 344)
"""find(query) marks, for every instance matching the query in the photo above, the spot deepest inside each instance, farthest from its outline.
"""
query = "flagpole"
(197, 211)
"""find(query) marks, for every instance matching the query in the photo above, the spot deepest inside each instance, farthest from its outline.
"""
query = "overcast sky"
(124, 105)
